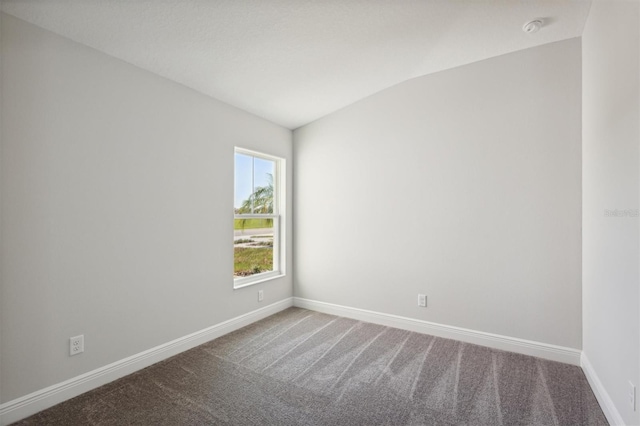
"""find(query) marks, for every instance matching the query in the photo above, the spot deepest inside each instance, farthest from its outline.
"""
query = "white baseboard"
(606, 403)
(496, 341)
(30, 404)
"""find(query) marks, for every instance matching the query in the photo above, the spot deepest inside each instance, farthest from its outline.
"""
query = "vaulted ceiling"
(293, 61)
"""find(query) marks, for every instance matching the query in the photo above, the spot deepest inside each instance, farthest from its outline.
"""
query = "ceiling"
(294, 61)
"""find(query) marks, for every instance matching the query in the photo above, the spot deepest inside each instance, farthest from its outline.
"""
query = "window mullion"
(253, 183)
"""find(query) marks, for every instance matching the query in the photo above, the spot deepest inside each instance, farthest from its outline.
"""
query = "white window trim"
(279, 221)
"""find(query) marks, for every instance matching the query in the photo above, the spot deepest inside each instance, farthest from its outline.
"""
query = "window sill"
(252, 280)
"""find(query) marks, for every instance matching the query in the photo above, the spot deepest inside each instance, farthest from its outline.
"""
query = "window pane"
(243, 180)
(252, 246)
(262, 196)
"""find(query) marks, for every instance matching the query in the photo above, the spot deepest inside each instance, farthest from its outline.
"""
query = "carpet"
(300, 367)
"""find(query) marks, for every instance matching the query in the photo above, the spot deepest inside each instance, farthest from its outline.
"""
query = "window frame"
(279, 209)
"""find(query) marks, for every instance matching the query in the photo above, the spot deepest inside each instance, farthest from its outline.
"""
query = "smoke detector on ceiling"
(532, 26)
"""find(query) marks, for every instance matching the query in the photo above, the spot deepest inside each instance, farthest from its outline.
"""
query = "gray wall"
(611, 180)
(117, 209)
(464, 185)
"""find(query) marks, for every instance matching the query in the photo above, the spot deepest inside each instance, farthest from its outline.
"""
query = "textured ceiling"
(293, 61)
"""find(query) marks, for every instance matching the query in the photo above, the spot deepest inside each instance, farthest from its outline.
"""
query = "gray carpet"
(300, 367)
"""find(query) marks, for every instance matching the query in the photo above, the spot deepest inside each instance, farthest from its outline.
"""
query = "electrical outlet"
(422, 300)
(76, 345)
(260, 295)
(632, 396)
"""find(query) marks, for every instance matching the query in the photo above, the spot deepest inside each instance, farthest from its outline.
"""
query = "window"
(258, 208)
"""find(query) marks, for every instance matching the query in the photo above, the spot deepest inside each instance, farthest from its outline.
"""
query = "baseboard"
(605, 401)
(30, 404)
(496, 341)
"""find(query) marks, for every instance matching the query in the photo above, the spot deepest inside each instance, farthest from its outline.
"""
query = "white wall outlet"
(260, 295)
(422, 300)
(632, 397)
(76, 345)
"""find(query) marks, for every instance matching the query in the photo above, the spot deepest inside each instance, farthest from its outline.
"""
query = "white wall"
(117, 208)
(1, 200)
(611, 176)
(464, 185)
